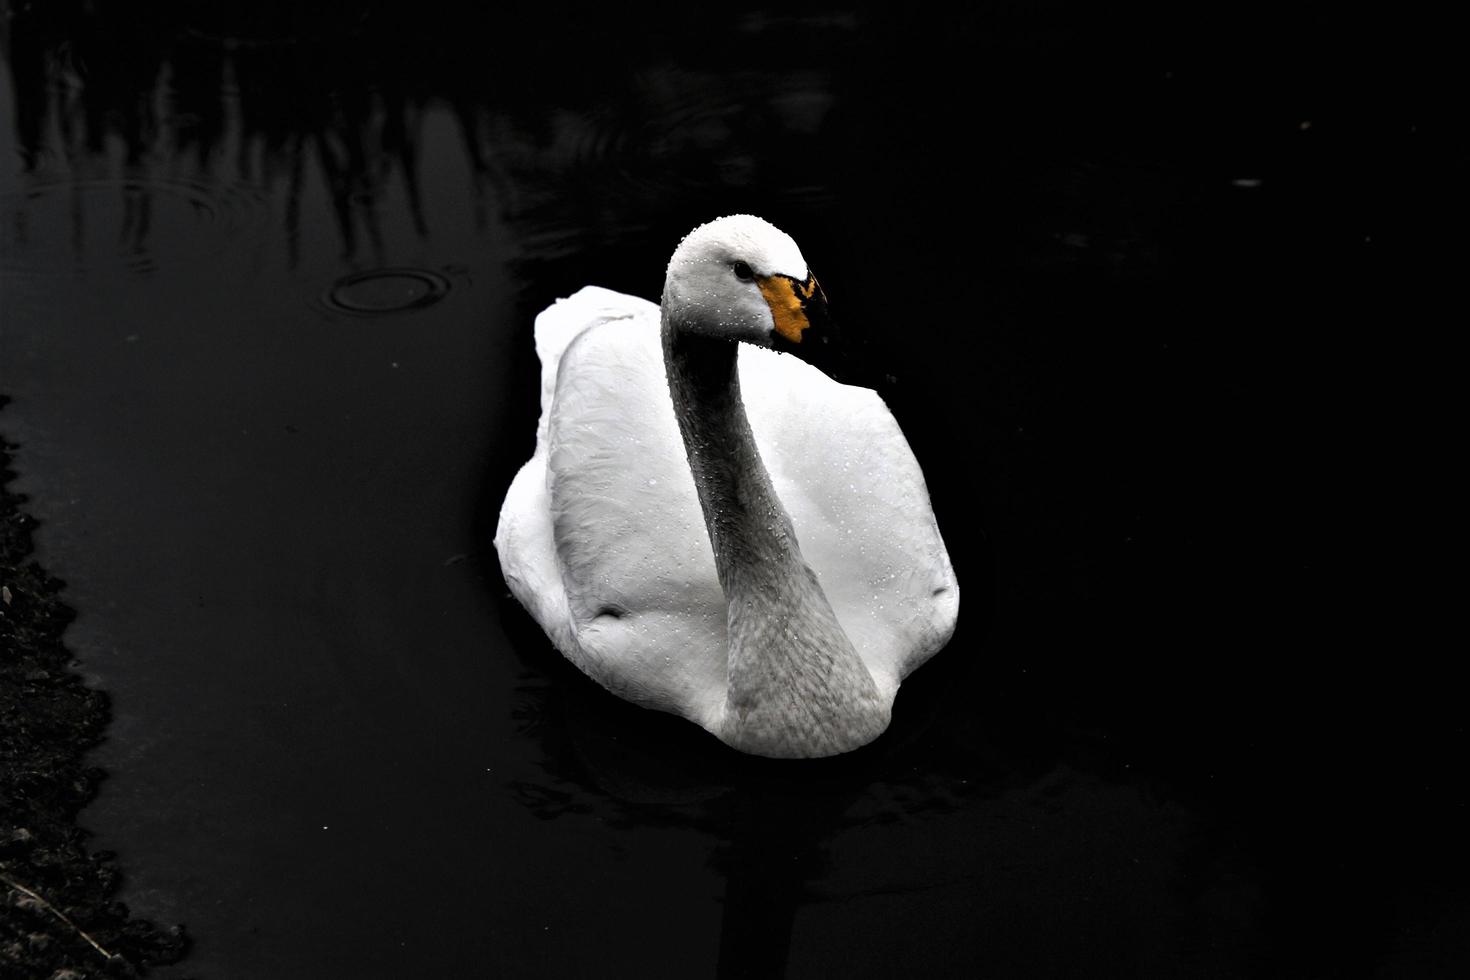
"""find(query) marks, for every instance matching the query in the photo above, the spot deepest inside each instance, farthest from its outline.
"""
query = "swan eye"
(743, 272)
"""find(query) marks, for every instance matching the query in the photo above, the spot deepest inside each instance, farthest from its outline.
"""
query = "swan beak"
(795, 306)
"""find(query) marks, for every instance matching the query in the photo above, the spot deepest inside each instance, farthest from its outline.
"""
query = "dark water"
(1139, 287)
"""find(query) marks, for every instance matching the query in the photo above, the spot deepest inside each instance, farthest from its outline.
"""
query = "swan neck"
(796, 685)
(744, 517)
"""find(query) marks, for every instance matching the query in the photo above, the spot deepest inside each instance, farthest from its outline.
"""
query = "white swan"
(654, 532)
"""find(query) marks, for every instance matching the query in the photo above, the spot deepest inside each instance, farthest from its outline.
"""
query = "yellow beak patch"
(787, 298)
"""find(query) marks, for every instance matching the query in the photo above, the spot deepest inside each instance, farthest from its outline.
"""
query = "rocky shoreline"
(59, 919)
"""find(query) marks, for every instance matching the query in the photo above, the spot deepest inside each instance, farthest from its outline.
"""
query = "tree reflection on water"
(271, 101)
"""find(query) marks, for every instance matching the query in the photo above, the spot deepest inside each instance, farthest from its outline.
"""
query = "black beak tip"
(820, 347)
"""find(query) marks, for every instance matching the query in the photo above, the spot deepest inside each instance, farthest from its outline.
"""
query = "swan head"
(742, 278)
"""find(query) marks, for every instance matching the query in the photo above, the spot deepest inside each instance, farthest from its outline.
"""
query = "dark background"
(1148, 289)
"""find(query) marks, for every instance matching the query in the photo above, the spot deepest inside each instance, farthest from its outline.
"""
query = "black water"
(1139, 285)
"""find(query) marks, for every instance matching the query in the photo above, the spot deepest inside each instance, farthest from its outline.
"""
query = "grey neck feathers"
(796, 685)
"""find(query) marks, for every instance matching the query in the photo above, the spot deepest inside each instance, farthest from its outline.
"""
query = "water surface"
(268, 284)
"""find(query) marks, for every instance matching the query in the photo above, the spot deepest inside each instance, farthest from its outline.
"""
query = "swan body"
(717, 529)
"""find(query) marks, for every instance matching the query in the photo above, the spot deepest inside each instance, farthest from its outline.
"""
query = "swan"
(711, 527)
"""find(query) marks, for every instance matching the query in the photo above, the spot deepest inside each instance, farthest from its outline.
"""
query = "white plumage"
(602, 538)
